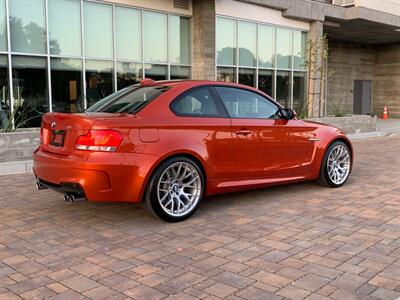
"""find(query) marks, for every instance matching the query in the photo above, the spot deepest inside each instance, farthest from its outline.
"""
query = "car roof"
(193, 83)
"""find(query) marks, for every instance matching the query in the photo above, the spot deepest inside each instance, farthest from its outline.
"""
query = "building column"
(316, 92)
(203, 37)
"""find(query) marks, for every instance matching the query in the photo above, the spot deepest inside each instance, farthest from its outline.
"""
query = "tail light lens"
(99, 140)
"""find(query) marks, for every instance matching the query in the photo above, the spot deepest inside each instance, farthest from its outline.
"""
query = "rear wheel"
(335, 167)
(175, 189)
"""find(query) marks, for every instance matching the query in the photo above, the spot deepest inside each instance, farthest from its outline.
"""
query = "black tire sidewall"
(324, 169)
(151, 193)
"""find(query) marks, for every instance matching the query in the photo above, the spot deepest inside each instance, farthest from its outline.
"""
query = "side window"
(246, 104)
(197, 102)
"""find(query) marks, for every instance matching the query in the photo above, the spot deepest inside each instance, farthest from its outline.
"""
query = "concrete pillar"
(315, 99)
(203, 31)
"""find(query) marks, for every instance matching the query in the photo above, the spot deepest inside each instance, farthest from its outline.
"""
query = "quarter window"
(246, 104)
(198, 102)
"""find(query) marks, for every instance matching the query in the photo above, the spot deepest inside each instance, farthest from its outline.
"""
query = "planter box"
(18, 146)
(349, 124)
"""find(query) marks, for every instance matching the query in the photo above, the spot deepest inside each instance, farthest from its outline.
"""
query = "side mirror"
(286, 114)
(292, 114)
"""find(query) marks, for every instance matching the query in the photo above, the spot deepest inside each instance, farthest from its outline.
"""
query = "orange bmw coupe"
(168, 144)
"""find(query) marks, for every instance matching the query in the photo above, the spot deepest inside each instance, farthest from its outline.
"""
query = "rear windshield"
(128, 100)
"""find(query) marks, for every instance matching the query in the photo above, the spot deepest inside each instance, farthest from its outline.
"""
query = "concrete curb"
(16, 167)
(373, 134)
(25, 166)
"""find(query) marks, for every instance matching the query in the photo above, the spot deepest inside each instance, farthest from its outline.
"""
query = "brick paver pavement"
(298, 241)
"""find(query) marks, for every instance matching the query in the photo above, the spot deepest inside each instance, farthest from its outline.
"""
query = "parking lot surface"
(298, 241)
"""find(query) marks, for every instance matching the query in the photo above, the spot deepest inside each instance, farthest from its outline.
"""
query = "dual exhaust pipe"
(69, 197)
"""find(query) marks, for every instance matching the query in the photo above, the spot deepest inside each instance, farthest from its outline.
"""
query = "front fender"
(327, 136)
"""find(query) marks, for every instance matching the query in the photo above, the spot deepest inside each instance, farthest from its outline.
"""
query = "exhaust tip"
(71, 197)
(40, 186)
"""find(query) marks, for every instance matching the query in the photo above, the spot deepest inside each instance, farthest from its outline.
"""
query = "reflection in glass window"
(30, 90)
(266, 46)
(280, 51)
(128, 74)
(179, 39)
(284, 48)
(65, 32)
(226, 74)
(226, 41)
(247, 44)
(98, 29)
(128, 100)
(4, 95)
(3, 32)
(299, 92)
(156, 72)
(99, 83)
(66, 85)
(283, 88)
(178, 72)
(247, 77)
(299, 49)
(127, 33)
(246, 104)
(27, 26)
(266, 81)
(197, 102)
(155, 37)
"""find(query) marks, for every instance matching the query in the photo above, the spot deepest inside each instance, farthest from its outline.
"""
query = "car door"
(265, 147)
(202, 121)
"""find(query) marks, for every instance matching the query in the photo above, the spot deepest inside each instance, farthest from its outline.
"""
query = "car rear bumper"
(98, 176)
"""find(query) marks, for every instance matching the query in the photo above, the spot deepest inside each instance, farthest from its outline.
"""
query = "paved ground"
(299, 241)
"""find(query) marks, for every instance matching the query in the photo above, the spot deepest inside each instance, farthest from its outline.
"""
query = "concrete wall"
(346, 63)
(387, 6)
(161, 5)
(203, 37)
(350, 124)
(257, 13)
(387, 80)
(18, 145)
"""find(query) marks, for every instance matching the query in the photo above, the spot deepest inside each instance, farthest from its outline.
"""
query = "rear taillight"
(99, 140)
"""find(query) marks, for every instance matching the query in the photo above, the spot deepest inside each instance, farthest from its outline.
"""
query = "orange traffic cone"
(385, 115)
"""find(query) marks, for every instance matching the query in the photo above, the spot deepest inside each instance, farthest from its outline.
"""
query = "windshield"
(128, 100)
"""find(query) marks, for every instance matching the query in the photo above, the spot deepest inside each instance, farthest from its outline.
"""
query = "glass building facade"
(64, 55)
(264, 56)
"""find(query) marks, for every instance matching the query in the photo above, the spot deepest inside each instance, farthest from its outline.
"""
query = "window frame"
(274, 68)
(267, 99)
(222, 113)
(129, 90)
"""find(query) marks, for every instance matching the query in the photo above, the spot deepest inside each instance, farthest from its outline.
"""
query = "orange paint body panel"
(274, 152)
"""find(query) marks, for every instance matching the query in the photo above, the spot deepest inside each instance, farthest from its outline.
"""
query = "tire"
(336, 165)
(175, 190)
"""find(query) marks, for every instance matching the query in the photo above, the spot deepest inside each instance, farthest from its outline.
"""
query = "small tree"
(317, 66)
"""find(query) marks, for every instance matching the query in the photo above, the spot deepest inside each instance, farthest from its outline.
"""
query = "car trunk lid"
(60, 130)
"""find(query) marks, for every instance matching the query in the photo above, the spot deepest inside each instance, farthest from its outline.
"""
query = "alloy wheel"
(179, 189)
(338, 164)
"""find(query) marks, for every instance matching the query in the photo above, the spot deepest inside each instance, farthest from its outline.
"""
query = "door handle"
(244, 132)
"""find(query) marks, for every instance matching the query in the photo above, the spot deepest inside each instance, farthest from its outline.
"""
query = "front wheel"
(335, 169)
(175, 189)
